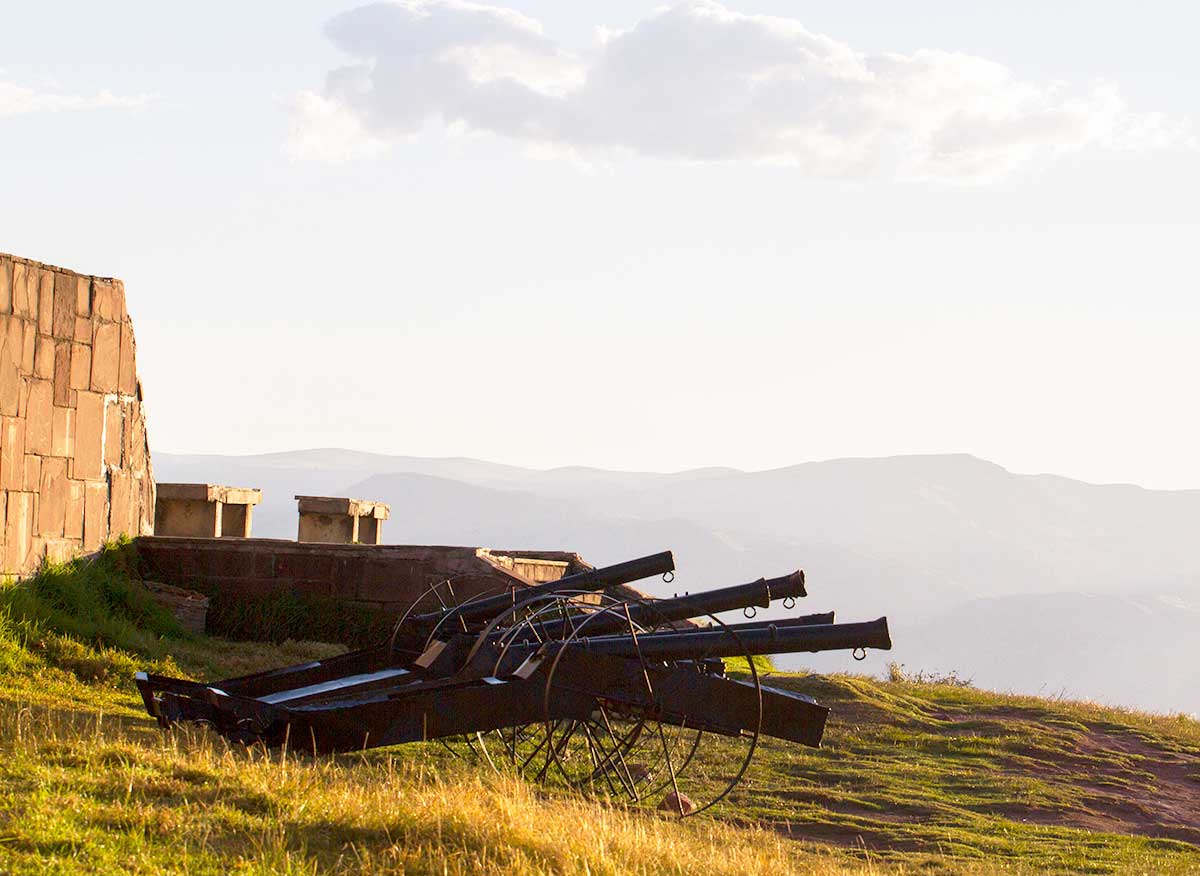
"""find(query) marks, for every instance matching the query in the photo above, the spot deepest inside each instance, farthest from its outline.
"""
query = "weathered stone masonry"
(383, 578)
(74, 459)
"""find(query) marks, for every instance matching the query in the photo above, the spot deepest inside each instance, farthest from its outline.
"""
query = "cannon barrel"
(756, 593)
(821, 619)
(750, 639)
(661, 611)
(591, 580)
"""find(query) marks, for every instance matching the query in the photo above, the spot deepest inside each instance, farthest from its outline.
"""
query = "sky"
(629, 235)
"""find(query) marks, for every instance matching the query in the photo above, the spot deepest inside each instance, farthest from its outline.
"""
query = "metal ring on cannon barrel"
(749, 611)
(859, 654)
(669, 576)
(789, 602)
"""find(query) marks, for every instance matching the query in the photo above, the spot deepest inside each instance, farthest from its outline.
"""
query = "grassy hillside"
(914, 777)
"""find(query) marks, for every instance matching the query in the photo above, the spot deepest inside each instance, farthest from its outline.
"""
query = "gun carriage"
(575, 681)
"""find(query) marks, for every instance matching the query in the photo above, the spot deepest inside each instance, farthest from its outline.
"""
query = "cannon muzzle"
(757, 593)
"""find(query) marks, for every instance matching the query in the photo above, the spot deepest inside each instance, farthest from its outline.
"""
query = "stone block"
(114, 438)
(106, 356)
(12, 453)
(95, 514)
(145, 502)
(39, 416)
(83, 330)
(10, 379)
(119, 299)
(339, 520)
(327, 528)
(73, 525)
(194, 518)
(303, 565)
(21, 304)
(264, 563)
(137, 453)
(127, 376)
(83, 296)
(120, 504)
(62, 440)
(28, 347)
(60, 550)
(23, 398)
(210, 493)
(81, 365)
(18, 531)
(312, 588)
(52, 498)
(384, 581)
(62, 373)
(43, 358)
(6, 268)
(348, 572)
(12, 342)
(45, 283)
(195, 510)
(192, 564)
(33, 472)
(64, 305)
(228, 563)
(89, 435)
(37, 550)
(255, 588)
(104, 301)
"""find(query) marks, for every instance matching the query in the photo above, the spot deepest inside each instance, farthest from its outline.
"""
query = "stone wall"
(74, 459)
(384, 578)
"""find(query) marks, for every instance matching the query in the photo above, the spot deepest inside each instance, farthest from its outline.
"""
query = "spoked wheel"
(522, 749)
(437, 597)
(626, 748)
(441, 597)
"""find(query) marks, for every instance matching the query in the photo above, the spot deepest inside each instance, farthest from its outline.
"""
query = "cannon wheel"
(621, 752)
(518, 748)
(441, 595)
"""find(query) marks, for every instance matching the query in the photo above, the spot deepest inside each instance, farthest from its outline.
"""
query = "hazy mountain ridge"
(956, 550)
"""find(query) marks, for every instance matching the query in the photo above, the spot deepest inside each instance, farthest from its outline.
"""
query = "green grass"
(286, 616)
(913, 778)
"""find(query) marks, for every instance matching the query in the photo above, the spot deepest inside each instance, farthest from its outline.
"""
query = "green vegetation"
(915, 777)
(287, 616)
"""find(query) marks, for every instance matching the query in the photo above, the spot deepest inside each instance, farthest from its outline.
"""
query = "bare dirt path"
(1130, 785)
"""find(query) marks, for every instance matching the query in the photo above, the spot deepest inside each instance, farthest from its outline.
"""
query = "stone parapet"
(387, 579)
(336, 520)
(205, 510)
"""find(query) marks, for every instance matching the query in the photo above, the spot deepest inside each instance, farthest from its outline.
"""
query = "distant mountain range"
(1033, 583)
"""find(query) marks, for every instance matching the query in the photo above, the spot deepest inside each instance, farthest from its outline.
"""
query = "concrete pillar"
(340, 521)
(204, 510)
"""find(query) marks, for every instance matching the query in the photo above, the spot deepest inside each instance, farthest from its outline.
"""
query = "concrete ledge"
(205, 510)
(211, 493)
(337, 505)
(337, 520)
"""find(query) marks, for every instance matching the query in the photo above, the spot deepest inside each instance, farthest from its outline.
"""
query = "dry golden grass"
(938, 779)
(84, 793)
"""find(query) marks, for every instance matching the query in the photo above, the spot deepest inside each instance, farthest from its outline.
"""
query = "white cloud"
(325, 129)
(699, 82)
(24, 99)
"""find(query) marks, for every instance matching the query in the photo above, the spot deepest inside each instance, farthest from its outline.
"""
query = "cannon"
(577, 682)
